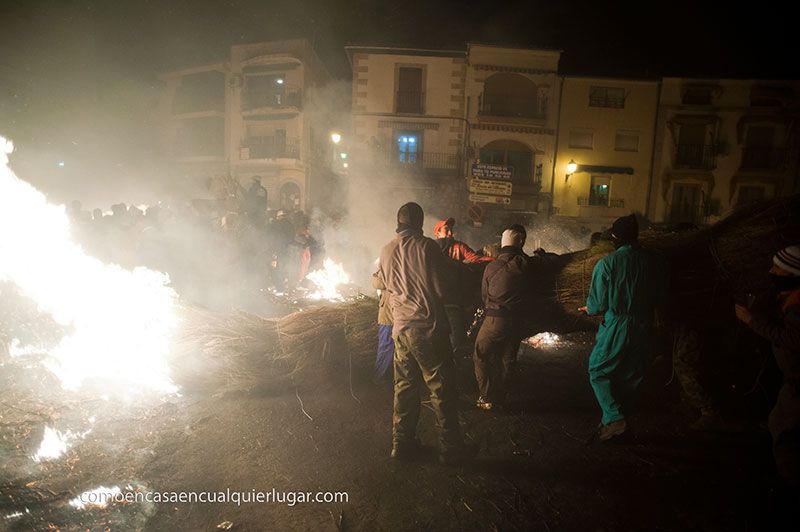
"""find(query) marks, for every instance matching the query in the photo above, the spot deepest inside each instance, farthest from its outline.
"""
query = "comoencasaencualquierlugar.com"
(228, 496)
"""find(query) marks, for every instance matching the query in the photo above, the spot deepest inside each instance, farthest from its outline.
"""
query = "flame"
(121, 321)
(543, 339)
(53, 445)
(327, 280)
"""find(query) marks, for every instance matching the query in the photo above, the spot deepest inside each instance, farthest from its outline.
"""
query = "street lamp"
(572, 167)
(336, 138)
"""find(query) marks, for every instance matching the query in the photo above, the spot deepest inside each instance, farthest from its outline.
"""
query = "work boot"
(484, 404)
(614, 429)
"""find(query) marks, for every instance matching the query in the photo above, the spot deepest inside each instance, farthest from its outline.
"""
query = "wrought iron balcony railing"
(411, 102)
(699, 156)
(258, 99)
(600, 201)
(270, 148)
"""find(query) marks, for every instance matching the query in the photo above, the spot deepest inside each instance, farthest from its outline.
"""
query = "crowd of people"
(425, 303)
(204, 244)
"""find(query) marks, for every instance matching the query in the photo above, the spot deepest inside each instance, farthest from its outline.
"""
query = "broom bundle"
(243, 351)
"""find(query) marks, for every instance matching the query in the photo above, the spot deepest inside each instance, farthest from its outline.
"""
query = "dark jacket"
(506, 285)
(785, 338)
(413, 272)
(384, 309)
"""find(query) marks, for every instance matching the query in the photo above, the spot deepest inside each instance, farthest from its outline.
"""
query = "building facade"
(246, 118)
(722, 144)
(408, 122)
(606, 129)
(511, 105)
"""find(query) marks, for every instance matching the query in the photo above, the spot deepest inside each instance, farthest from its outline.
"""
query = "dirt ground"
(534, 469)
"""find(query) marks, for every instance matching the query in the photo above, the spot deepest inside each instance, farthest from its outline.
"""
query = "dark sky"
(98, 59)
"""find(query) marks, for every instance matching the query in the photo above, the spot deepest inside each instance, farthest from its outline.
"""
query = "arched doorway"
(290, 196)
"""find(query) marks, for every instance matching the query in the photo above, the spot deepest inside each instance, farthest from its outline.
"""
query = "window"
(264, 90)
(581, 138)
(607, 97)
(759, 149)
(408, 149)
(626, 141)
(749, 194)
(409, 90)
(598, 190)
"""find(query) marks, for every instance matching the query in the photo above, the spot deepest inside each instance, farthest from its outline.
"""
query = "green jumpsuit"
(626, 288)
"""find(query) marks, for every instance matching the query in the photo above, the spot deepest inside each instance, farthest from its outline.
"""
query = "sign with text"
(494, 188)
(491, 171)
(484, 198)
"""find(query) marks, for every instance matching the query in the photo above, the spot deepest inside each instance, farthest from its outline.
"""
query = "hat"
(410, 216)
(625, 229)
(512, 237)
(441, 224)
(788, 259)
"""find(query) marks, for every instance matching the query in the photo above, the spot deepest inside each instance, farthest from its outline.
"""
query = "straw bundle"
(243, 351)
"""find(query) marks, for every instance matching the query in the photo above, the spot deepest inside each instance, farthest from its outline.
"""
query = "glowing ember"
(99, 497)
(327, 280)
(543, 340)
(121, 321)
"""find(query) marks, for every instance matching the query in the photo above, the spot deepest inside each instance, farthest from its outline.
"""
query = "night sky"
(69, 66)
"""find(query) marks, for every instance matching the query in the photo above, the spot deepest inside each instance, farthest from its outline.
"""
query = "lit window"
(407, 148)
(598, 190)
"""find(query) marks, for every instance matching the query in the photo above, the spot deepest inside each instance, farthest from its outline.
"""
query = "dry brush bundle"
(243, 351)
(707, 267)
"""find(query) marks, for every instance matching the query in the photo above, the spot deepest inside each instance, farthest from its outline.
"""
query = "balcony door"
(409, 90)
(407, 146)
(686, 204)
(692, 145)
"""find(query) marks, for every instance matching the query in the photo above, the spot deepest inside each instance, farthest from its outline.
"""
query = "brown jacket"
(384, 309)
(412, 269)
(506, 286)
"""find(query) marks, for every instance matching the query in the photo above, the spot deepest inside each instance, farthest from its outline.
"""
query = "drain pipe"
(555, 149)
(653, 156)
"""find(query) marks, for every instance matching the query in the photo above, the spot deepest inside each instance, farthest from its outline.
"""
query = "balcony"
(421, 162)
(762, 157)
(598, 201)
(510, 106)
(257, 99)
(698, 156)
(270, 148)
(411, 102)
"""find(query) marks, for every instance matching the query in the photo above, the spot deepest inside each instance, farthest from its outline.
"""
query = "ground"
(534, 469)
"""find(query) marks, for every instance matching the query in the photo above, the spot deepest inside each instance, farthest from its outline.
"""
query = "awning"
(598, 169)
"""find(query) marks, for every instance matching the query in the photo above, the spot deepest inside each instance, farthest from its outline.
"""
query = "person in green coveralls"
(627, 287)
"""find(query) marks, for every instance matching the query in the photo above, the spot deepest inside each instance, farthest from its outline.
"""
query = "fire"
(121, 322)
(327, 280)
(543, 339)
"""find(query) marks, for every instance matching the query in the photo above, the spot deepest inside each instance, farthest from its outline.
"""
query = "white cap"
(512, 238)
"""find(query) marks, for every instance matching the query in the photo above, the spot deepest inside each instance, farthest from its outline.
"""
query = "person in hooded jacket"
(413, 271)
(505, 290)
(784, 334)
(627, 288)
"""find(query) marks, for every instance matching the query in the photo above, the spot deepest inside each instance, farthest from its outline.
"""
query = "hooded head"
(410, 217)
(625, 230)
